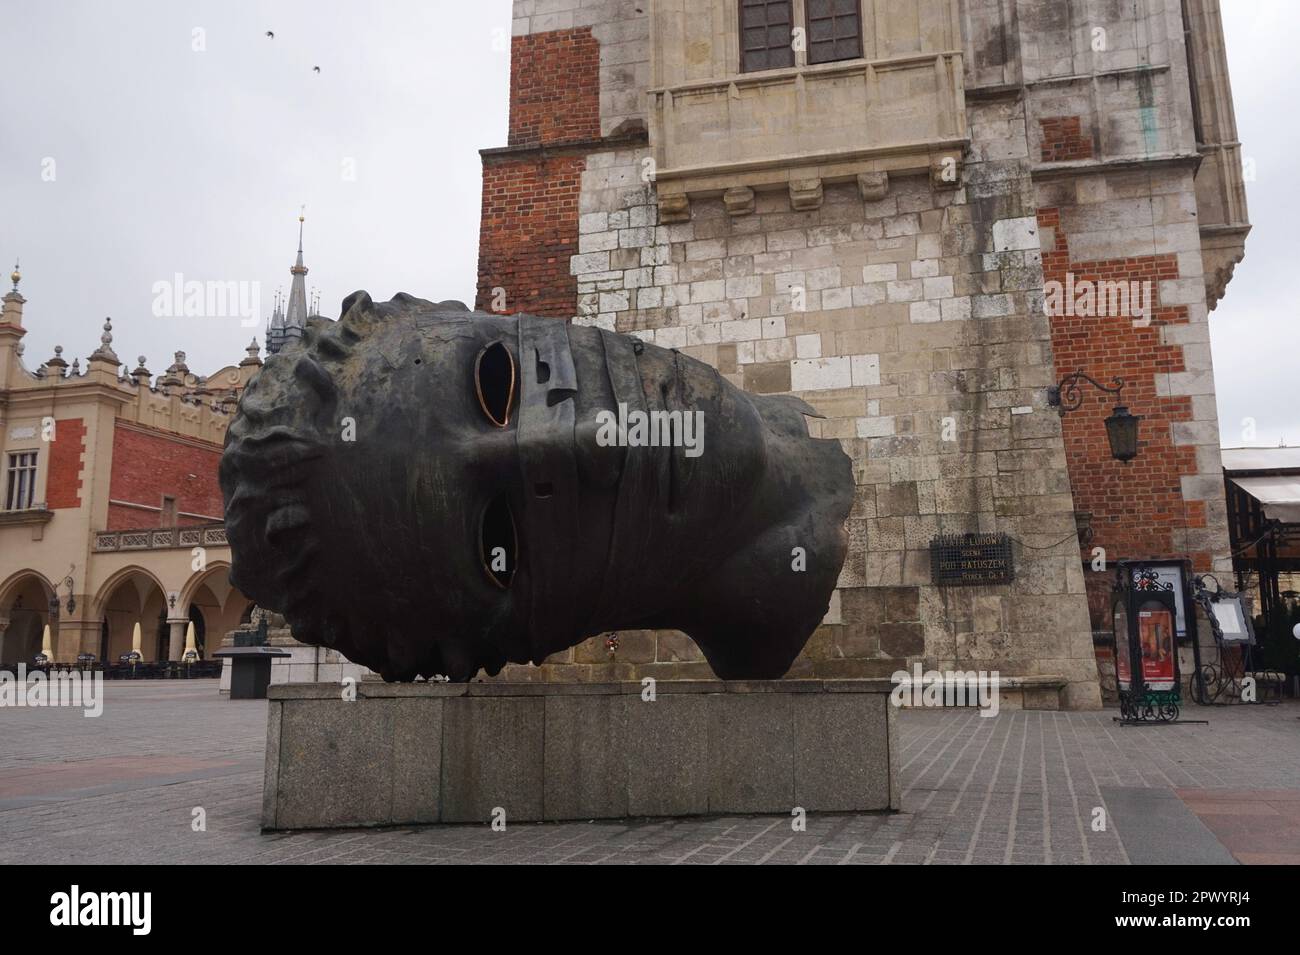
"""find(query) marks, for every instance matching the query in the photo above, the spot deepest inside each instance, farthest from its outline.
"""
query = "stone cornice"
(1089, 167)
(33, 515)
(41, 391)
(569, 147)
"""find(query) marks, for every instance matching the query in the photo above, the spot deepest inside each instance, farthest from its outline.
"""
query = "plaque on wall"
(963, 560)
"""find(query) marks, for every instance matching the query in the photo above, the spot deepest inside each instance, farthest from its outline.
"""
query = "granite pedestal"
(402, 754)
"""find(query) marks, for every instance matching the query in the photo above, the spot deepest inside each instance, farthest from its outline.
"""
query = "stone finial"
(56, 365)
(12, 313)
(141, 375)
(76, 367)
(105, 350)
(253, 354)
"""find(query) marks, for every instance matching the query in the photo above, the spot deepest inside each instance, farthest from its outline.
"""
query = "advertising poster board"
(1156, 634)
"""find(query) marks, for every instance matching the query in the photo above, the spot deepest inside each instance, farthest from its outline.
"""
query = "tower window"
(765, 34)
(21, 484)
(834, 30)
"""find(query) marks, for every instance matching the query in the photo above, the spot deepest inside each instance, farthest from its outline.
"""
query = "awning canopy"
(1261, 459)
(1279, 496)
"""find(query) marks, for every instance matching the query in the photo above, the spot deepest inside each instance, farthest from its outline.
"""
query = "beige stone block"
(768, 378)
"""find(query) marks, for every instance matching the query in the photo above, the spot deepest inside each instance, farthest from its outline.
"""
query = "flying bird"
(315, 69)
(270, 34)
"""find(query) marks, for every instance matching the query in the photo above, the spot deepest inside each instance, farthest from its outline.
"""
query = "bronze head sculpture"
(431, 490)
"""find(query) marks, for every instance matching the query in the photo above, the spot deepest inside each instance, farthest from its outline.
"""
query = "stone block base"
(403, 754)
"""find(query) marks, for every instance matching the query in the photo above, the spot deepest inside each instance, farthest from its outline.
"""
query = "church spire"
(289, 319)
(295, 317)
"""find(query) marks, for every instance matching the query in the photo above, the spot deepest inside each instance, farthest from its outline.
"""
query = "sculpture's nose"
(549, 522)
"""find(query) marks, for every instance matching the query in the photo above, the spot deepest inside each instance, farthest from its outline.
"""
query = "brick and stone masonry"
(63, 487)
(148, 464)
(912, 316)
(530, 188)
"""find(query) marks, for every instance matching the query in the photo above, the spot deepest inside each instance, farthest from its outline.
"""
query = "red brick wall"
(529, 232)
(148, 464)
(529, 228)
(1063, 139)
(554, 87)
(1136, 508)
(63, 484)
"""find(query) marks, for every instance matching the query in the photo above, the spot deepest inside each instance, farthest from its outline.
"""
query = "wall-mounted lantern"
(1121, 426)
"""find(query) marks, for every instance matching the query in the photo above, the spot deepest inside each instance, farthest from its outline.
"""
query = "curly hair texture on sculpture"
(279, 500)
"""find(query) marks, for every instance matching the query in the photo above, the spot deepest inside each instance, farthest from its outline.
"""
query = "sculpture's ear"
(359, 300)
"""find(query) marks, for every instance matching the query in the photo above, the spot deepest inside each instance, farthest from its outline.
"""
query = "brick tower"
(879, 207)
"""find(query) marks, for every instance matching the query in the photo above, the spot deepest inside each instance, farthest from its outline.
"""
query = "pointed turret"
(12, 313)
(295, 316)
(289, 320)
(11, 334)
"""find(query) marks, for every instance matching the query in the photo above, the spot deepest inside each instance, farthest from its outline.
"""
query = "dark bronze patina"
(429, 491)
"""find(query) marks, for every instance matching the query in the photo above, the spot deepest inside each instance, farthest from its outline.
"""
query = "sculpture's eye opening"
(499, 542)
(494, 382)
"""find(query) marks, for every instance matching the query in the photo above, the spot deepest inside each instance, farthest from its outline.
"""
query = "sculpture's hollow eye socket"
(494, 382)
(499, 542)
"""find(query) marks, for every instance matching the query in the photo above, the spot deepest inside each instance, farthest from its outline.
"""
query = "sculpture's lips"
(263, 473)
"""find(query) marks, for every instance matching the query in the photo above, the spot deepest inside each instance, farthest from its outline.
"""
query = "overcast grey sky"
(167, 159)
(172, 160)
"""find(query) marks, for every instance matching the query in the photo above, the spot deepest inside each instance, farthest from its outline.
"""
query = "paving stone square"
(1018, 788)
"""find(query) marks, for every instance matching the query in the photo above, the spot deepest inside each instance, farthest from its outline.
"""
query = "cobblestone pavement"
(1017, 788)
